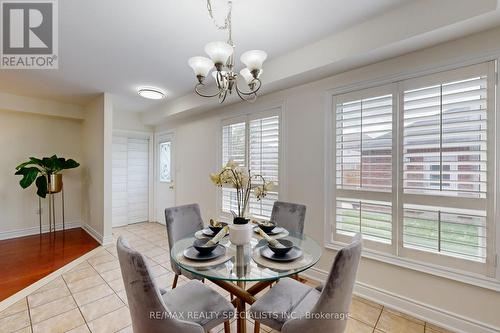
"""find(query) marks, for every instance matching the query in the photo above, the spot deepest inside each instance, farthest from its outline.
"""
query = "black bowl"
(217, 229)
(281, 251)
(267, 228)
(199, 245)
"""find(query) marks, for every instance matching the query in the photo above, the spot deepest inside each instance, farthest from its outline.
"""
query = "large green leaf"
(36, 160)
(71, 164)
(50, 164)
(41, 184)
(32, 161)
(29, 176)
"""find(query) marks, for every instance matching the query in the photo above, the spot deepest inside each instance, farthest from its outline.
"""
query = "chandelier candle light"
(222, 58)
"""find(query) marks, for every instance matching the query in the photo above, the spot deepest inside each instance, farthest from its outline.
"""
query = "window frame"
(485, 275)
(487, 268)
(247, 116)
(363, 194)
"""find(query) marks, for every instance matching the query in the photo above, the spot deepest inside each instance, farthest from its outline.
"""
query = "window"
(165, 162)
(253, 141)
(363, 164)
(413, 168)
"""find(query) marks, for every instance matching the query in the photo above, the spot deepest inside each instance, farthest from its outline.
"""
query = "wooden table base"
(243, 297)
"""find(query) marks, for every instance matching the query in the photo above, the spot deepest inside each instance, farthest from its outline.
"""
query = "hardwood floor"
(25, 260)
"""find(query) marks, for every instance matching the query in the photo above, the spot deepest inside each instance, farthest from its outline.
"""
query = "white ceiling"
(115, 46)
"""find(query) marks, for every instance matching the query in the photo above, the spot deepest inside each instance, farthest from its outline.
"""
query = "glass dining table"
(243, 265)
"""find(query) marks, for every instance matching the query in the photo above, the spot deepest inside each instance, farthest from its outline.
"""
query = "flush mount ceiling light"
(151, 93)
(222, 58)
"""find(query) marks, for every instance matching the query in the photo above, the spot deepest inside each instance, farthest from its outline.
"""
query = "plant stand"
(52, 211)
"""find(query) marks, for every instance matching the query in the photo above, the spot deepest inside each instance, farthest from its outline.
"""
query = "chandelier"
(222, 58)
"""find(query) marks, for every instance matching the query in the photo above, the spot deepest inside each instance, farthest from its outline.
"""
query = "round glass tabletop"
(244, 263)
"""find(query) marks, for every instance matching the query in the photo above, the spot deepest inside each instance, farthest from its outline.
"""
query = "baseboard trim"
(43, 281)
(36, 230)
(97, 235)
(426, 312)
(107, 240)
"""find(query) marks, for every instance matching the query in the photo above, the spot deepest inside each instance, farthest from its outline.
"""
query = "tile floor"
(91, 296)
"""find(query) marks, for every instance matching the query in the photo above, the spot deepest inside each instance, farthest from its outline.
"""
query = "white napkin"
(218, 237)
(269, 239)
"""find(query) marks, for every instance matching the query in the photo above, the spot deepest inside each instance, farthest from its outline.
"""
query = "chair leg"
(174, 284)
(256, 327)
(227, 327)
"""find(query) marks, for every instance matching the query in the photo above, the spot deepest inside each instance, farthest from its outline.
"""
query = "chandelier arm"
(197, 90)
(252, 92)
(222, 96)
(247, 97)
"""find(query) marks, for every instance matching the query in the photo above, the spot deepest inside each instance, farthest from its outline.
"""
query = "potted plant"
(45, 173)
(244, 182)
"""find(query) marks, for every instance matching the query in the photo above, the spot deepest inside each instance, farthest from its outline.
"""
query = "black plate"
(193, 254)
(294, 253)
(275, 231)
(209, 233)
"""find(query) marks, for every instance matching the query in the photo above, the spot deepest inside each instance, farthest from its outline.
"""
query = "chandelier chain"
(227, 20)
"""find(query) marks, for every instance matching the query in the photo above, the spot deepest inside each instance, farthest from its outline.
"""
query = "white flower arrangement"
(234, 176)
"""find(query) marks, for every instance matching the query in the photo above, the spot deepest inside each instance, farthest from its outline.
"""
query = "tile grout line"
(74, 300)
(29, 314)
(114, 292)
(378, 319)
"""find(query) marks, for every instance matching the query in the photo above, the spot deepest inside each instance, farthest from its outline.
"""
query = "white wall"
(23, 135)
(39, 106)
(304, 143)
(97, 135)
(129, 121)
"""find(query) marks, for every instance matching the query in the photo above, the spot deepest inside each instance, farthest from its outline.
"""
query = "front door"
(165, 188)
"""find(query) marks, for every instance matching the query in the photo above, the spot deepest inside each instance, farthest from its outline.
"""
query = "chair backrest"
(147, 309)
(290, 216)
(335, 298)
(182, 221)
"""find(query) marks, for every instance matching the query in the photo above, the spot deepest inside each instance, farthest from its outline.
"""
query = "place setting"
(270, 228)
(214, 227)
(207, 251)
(279, 254)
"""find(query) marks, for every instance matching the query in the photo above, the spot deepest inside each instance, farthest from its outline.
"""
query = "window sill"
(444, 272)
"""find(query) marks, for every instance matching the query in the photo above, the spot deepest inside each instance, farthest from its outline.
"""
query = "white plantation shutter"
(253, 142)
(363, 165)
(414, 166)
(445, 144)
(233, 148)
(234, 143)
(454, 232)
(445, 138)
(264, 160)
(364, 143)
(371, 218)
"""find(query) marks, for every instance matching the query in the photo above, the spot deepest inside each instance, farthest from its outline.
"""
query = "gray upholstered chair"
(152, 312)
(182, 221)
(290, 216)
(285, 306)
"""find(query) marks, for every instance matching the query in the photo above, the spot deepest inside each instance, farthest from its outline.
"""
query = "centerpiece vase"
(240, 232)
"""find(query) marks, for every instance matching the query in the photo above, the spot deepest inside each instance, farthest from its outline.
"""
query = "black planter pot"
(240, 220)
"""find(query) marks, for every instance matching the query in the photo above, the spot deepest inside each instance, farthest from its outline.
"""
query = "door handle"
(171, 187)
